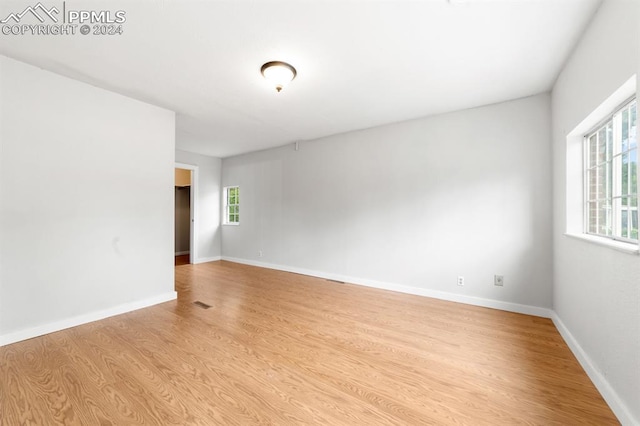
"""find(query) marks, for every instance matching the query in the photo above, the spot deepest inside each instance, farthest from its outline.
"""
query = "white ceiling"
(360, 63)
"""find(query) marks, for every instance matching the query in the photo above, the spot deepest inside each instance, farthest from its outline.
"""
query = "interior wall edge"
(29, 333)
(600, 382)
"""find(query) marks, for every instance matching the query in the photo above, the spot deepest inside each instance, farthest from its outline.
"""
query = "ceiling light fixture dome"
(279, 73)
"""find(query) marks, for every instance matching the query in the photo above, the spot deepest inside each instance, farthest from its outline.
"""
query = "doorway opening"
(185, 194)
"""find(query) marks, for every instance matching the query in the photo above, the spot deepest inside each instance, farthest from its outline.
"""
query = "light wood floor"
(282, 349)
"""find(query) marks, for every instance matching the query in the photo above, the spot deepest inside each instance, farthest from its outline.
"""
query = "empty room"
(319, 212)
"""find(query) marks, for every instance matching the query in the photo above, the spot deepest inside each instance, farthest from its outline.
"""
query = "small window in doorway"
(232, 205)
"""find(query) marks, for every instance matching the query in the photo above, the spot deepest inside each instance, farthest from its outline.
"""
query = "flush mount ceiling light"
(279, 73)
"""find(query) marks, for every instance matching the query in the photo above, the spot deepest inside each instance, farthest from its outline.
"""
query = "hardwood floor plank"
(281, 348)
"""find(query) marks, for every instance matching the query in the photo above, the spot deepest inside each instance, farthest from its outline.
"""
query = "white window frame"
(226, 214)
(574, 196)
(615, 163)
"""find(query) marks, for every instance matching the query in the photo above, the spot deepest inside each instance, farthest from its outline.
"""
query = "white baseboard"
(451, 297)
(181, 253)
(30, 333)
(207, 259)
(608, 393)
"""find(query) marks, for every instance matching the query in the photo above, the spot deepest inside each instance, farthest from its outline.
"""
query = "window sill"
(231, 224)
(622, 246)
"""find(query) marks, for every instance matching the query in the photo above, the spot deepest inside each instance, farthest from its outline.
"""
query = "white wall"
(208, 203)
(409, 206)
(86, 186)
(596, 288)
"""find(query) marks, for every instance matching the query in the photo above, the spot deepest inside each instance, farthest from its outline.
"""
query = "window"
(611, 176)
(232, 205)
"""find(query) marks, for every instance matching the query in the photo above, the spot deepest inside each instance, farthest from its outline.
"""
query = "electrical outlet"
(460, 280)
(498, 280)
(259, 253)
